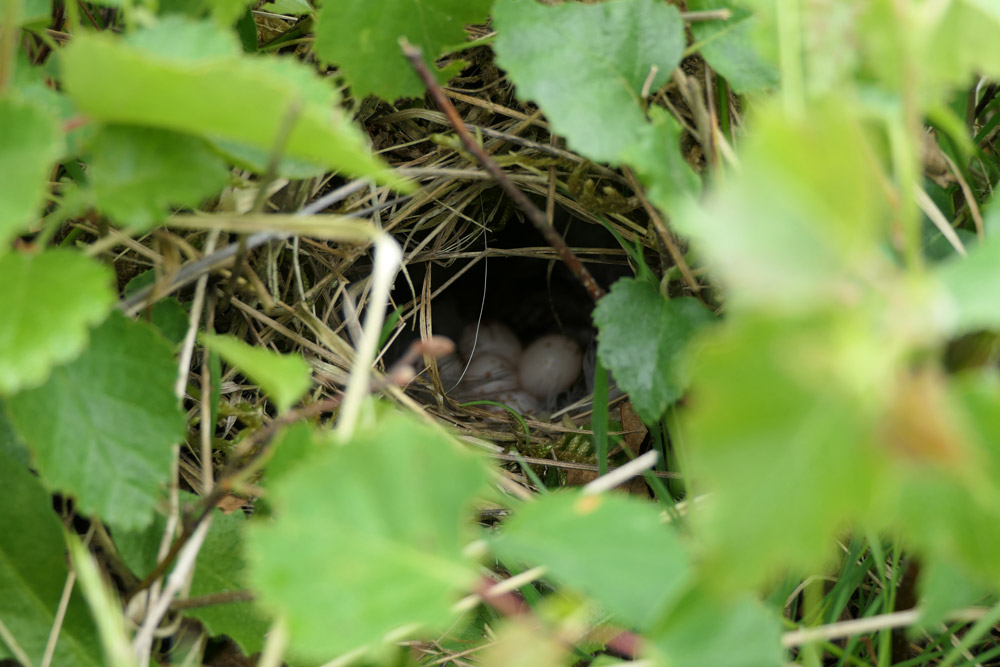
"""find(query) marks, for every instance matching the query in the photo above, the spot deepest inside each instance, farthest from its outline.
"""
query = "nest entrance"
(502, 271)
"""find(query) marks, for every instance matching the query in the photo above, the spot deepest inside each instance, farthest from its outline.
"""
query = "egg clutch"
(491, 364)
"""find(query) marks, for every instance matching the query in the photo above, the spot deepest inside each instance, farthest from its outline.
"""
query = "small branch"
(534, 214)
(212, 600)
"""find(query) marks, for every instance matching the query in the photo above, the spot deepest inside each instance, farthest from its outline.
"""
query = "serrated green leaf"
(31, 143)
(33, 572)
(368, 539)
(586, 65)
(214, 94)
(703, 630)
(362, 38)
(138, 173)
(642, 339)
(815, 226)
(611, 547)
(728, 46)
(781, 431)
(284, 377)
(101, 427)
(50, 302)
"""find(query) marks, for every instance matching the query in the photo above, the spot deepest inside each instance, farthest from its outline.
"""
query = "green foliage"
(33, 573)
(285, 378)
(586, 65)
(221, 568)
(389, 554)
(596, 545)
(206, 87)
(782, 432)
(46, 320)
(849, 390)
(643, 341)
(728, 46)
(137, 173)
(101, 428)
(969, 285)
(362, 38)
(817, 240)
(31, 143)
(705, 630)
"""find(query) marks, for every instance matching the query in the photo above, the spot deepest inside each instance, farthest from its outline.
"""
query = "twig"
(534, 214)
(212, 599)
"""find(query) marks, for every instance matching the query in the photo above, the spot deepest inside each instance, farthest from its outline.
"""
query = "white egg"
(550, 366)
(493, 337)
(521, 401)
(488, 375)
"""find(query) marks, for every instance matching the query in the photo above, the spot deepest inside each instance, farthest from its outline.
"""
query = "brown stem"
(535, 215)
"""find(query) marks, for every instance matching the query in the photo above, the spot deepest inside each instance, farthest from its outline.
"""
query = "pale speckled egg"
(488, 375)
(550, 366)
(493, 337)
(521, 401)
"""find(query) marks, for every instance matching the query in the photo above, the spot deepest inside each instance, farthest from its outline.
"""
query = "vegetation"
(222, 222)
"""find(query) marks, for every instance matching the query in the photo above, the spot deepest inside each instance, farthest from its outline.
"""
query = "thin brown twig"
(534, 214)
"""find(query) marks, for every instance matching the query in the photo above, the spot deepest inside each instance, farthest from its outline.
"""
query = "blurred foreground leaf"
(139, 173)
(31, 143)
(611, 547)
(52, 299)
(192, 78)
(368, 539)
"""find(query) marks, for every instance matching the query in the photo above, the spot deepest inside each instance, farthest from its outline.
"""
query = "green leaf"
(138, 173)
(191, 78)
(288, 7)
(949, 503)
(658, 162)
(362, 38)
(284, 377)
(703, 630)
(368, 539)
(729, 48)
(821, 237)
(586, 65)
(642, 339)
(51, 300)
(220, 568)
(31, 143)
(969, 289)
(33, 572)
(611, 547)
(780, 430)
(101, 427)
